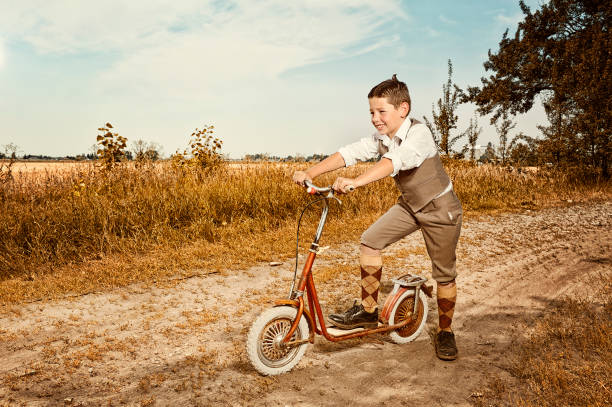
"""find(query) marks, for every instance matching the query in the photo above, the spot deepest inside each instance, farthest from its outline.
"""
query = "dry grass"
(565, 360)
(81, 230)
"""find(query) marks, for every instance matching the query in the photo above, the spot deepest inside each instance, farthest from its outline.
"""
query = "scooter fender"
(391, 300)
(292, 303)
(395, 295)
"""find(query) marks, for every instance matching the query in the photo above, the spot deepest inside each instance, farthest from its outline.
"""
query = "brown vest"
(421, 184)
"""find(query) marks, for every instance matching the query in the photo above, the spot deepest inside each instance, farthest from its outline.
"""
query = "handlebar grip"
(313, 189)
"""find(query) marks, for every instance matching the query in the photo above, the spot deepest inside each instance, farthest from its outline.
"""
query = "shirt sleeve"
(361, 150)
(416, 148)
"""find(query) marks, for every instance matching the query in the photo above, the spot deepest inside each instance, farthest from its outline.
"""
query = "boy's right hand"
(300, 176)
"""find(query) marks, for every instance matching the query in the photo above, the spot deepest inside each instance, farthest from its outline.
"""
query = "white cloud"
(56, 27)
(446, 20)
(174, 63)
(67, 26)
(189, 45)
(512, 20)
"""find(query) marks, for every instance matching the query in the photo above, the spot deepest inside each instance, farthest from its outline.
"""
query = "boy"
(408, 154)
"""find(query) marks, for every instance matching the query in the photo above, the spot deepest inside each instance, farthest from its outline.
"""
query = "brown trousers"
(440, 223)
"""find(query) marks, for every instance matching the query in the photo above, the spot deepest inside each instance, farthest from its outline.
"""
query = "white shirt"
(410, 146)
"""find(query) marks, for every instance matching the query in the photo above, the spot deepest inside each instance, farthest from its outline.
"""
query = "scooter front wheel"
(404, 309)
(264, 345)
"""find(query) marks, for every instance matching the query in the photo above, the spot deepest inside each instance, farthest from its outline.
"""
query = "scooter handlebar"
(313, 189)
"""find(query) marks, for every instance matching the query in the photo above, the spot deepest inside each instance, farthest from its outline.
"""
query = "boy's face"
(387, 118)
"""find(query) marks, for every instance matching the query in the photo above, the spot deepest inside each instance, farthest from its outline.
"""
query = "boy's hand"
(342, 185)
(300, 176)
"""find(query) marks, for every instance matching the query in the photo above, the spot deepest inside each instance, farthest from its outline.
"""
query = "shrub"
(111, 147)
(203, 154)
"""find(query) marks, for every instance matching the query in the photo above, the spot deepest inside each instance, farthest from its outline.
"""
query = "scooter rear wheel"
(264, 348)
(403, 309)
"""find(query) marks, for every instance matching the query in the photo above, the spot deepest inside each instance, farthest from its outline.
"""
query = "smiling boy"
(408, 154)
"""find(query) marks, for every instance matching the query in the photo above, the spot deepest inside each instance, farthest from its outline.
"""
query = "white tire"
(403, 309)
(266, 333)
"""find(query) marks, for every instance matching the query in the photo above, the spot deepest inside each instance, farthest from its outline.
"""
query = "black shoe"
(355, 317)
(446, 348)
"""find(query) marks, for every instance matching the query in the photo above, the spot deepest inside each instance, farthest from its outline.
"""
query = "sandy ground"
(182, 343)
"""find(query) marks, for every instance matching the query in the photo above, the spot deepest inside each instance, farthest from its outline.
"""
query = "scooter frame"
(306, 285)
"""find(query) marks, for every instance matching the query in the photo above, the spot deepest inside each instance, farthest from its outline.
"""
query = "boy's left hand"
(342, 184)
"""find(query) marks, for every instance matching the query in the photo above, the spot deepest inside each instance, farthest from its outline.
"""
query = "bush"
(203, 155)
(112, 147)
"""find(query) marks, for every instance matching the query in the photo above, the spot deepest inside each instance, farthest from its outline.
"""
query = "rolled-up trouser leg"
(396, 223)
(440, 223)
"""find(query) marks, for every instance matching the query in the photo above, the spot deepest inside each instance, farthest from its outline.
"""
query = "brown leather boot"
(446, 348)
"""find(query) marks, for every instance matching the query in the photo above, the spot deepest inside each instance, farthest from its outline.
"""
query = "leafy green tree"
(561, 53)
(445, 119)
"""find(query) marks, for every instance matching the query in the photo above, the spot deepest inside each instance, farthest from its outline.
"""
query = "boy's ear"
(404, 109)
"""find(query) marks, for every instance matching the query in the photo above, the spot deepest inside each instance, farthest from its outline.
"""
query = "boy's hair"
(394, 90)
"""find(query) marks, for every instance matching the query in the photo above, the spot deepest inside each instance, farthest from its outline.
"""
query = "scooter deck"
(332, 330)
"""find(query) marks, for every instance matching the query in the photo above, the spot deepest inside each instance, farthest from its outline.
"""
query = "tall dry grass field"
(82, 229)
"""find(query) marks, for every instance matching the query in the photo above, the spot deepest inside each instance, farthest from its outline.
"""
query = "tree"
(523, 150)
(6, 166)
(472, 133)
(560, 53)
(489, 154)
(92, 153)
(561, 143)
(143, 151)
(503, 129)
(445, 119)
(11, 150)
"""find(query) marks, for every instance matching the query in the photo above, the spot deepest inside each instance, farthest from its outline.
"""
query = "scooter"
(278, 338)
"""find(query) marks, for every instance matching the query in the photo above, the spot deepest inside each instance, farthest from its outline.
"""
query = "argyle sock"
(447, 297)
(371, 270)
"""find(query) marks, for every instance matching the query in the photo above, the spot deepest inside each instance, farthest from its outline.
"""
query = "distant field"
(49, 166)
(27, 167)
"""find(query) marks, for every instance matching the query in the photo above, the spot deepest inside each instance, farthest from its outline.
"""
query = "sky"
(272, 76)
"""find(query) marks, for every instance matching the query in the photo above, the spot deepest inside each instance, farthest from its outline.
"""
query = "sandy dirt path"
(182, 343)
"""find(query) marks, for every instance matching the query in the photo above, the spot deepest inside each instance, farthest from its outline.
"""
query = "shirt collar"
(401, 133)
